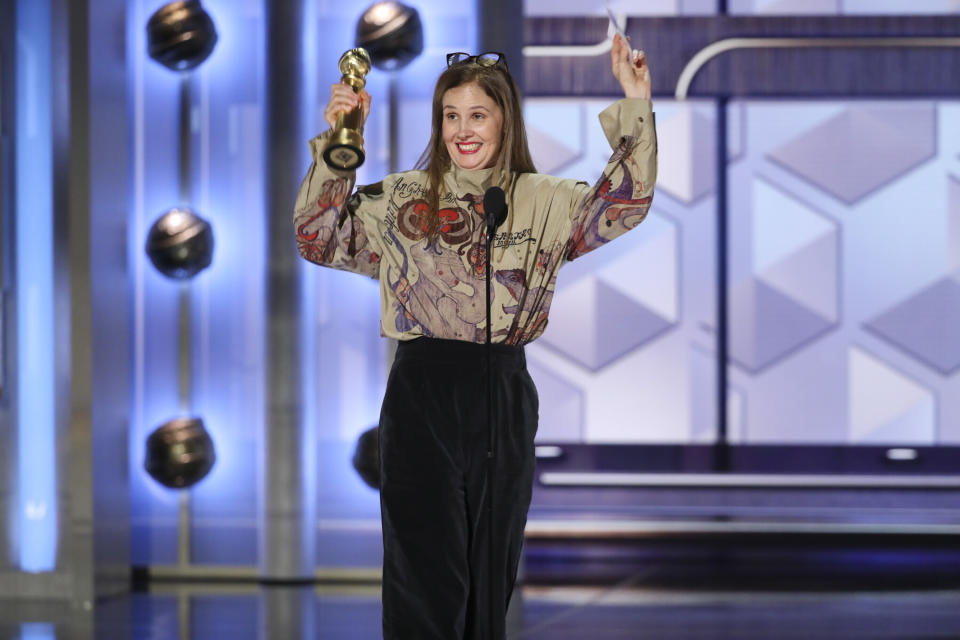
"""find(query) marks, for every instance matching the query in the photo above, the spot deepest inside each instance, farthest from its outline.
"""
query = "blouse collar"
(473, 180)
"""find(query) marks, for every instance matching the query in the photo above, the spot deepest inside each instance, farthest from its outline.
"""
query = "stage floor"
(622, 611)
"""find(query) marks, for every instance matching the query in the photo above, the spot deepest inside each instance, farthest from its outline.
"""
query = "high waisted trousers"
(434, 488)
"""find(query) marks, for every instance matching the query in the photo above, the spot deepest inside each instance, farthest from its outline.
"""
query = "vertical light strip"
(309, 338)
(37, 631)
(138, 231)
(34, 286)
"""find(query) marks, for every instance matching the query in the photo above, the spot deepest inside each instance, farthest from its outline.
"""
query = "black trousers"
(434, 488)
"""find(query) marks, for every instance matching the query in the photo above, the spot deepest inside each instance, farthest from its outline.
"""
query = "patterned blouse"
(435, 287)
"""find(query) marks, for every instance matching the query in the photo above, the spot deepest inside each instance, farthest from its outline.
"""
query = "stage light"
(180, 35)
(180, 244)
(179, 453)
(392, 34)
(366, 457)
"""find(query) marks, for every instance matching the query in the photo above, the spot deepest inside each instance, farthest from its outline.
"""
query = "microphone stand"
(495, 211)
(491, 460)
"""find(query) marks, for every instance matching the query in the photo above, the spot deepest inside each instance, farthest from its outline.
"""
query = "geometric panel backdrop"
(627, 356)
(847, 7)
(793, 276)
(926, 326)
(895, 138)
(581, 8)
(844, 288)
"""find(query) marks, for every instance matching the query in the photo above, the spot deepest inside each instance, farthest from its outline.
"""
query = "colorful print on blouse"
(435, 286)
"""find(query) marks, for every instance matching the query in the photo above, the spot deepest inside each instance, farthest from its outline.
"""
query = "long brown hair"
(514, 155)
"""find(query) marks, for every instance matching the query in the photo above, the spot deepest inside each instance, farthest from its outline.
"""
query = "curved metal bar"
(714, 49)
(576, 50)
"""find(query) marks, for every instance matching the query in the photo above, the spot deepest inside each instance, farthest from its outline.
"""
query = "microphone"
(495, 208)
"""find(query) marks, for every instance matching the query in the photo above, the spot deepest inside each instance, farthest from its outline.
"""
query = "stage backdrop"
(845, 239)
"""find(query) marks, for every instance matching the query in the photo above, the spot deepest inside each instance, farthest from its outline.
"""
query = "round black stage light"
(392, 33)
(180, 244)
(366, 457)
(180, 35)
(179, 453)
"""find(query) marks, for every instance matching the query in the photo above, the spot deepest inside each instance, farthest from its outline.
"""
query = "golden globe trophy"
(345, 150)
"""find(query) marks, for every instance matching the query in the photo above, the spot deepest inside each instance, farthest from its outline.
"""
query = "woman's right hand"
(342, 98)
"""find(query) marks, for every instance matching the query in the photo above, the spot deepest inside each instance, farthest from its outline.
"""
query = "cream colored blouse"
(436, 287)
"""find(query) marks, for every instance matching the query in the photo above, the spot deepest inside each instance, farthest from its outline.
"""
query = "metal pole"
(491, 436)
(393, 98)
(184, 381)
(722, 447)
(288, 613)
(287, 541)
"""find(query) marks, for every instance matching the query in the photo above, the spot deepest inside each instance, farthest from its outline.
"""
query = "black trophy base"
(344, 157)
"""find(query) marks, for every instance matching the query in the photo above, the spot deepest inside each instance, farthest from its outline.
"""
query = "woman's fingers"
(343, 98)
(344, 94)
(618, 53)
(639, 60)
(365, 101)
(623, 59)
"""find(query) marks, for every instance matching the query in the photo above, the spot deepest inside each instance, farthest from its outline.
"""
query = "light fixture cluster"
(392, 34)
(181, 36)
(180, 452)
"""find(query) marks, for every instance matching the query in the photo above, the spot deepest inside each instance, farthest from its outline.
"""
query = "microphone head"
(495, 206)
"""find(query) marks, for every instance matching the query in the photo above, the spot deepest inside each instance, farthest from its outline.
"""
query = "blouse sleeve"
(332, 227)
(620, 199)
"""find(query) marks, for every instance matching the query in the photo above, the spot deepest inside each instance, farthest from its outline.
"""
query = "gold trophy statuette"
(345, 150)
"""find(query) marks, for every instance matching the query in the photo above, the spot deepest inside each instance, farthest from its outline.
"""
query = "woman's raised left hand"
(630, 69)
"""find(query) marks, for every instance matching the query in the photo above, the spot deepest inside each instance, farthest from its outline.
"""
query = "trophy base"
(345, 151)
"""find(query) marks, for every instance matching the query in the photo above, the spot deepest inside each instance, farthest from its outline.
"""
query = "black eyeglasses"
(485, 59)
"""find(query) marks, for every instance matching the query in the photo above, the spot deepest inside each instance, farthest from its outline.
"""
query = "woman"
(422, 234)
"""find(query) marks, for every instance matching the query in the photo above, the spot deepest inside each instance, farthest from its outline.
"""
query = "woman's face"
(472, 124)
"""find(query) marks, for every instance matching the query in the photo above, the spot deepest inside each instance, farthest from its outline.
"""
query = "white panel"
(642, 397)
(809, 276)
(599, 7)
(895, 7)
(648, 274)
(953, 223)
(796, 7)
(781, 225)
(882, 398)
(686, 162)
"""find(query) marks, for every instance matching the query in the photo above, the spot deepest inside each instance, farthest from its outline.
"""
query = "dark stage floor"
(816, 584)
(628, 610)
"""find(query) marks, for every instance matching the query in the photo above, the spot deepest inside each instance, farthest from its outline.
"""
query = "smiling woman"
(478, 88)
(472, 127)
(454, 505)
